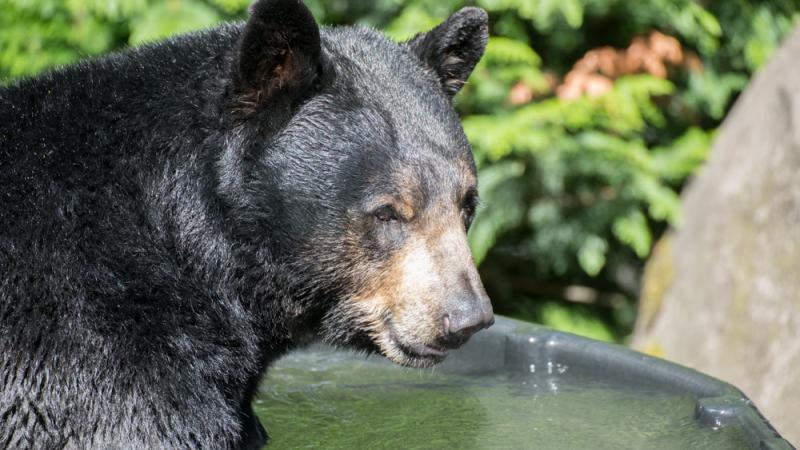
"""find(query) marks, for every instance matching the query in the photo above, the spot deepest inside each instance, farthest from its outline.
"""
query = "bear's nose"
(459, 325)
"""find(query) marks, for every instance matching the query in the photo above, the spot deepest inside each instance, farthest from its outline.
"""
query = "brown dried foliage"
(654, 54)
(595, 72)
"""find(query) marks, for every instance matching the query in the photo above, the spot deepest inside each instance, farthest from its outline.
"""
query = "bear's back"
(94, 309)
(79, 135)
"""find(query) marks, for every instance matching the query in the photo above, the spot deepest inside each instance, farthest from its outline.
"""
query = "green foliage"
(574, 320)
(583, 176)
(166, 19)
(38, 34)
(575, 190)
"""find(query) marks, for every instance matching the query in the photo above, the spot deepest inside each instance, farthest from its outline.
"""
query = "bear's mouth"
(410, 354)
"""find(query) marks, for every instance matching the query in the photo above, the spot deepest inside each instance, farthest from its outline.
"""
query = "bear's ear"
(453, 48)
(279, 52)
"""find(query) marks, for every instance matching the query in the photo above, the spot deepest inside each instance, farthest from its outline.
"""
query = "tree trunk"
(726, 286)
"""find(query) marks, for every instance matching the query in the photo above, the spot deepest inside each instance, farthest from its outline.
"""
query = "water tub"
(514, 386)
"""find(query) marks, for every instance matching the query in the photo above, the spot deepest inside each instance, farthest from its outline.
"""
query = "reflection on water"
(324, 400)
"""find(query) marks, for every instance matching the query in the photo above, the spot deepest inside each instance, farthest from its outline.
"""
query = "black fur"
(174, 218)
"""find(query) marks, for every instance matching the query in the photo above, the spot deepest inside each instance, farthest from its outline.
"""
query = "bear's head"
(348, 165)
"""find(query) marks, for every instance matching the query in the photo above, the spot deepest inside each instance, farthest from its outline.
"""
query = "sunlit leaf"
(592, 255)
(634, 230)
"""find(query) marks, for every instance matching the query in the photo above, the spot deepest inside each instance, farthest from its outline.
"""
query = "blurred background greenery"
(586, 117)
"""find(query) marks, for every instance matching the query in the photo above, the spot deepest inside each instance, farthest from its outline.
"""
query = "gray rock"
(726, 286)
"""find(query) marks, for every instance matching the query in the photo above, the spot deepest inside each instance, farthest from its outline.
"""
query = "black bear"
(173, 218)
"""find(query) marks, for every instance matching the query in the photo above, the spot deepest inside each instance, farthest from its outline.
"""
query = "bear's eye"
(468, 207)
(386, 213)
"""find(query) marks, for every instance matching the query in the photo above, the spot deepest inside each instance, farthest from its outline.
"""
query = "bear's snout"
(461, 323)
(466, 307)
